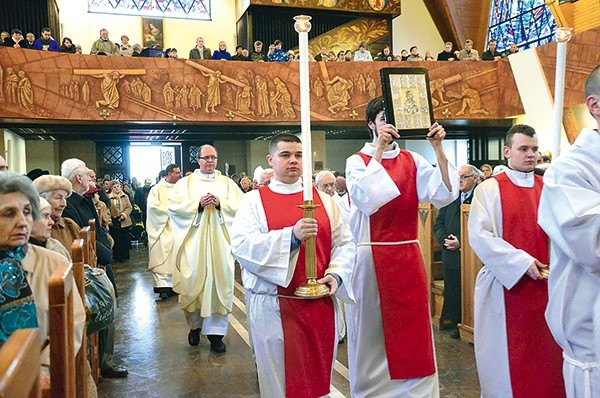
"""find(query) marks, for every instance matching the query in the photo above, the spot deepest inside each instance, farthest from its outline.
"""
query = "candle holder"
(311, 288)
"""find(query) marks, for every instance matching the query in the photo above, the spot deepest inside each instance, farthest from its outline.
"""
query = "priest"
(201, 207)
(294, 339)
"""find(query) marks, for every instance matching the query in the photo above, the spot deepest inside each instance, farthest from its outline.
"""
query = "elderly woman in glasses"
(27, 267)
(120, 214)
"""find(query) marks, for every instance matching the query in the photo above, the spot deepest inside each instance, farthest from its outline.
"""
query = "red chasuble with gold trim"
(535, 360)
(308, 325)
(401, 276)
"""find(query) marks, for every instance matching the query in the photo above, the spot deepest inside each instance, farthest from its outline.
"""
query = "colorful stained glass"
(188, 9)
(527, 23)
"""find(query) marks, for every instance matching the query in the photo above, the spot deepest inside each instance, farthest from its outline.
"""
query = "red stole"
(535, 360)
(308, 325)
(401, 276)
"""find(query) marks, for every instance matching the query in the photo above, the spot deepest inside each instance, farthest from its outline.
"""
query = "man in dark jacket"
(447, 233)
(15, 40)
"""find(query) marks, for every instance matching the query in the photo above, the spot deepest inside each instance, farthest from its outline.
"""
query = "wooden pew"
(81, 357)
(88, 236)
(20, 365)
(469, 268)
(62, 351)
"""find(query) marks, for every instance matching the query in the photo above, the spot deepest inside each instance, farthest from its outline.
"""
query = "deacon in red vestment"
(294, 339)
(515, 352)
(390, 344)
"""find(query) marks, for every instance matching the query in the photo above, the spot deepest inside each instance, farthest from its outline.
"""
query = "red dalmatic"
(401, 276)
(535, 360)
(308, 325)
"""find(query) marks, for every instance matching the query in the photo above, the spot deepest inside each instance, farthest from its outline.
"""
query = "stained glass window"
(188, 9)
(527, 23)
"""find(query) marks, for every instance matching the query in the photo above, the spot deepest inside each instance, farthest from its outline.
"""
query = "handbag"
(100, 300)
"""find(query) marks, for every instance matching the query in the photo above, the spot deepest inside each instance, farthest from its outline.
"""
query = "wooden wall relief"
(350, 35)
(378, 6)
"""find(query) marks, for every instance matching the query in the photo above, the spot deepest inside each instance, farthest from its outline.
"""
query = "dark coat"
(81, 210)
(9, 42)
(448, 223)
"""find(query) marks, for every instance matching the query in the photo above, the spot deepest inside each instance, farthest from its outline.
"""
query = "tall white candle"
(303, 26)
(563, 35)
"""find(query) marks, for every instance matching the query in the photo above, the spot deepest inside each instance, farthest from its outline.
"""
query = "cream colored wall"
(43, 155)
(84, 150)
(415, 28)
(14, 152)
(83, 28)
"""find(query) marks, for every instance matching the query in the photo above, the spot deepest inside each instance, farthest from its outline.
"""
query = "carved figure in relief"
(25, 92)
(85, 93)
(195, 97)
(243, 101)
(169, 95)
(146, 94)
(338, 94)
(1, 84)
(361, 84)
(438, 87)
(327, 3)
(470, 99)
(184, 92)
(10, 86)
(213, 95)
(318, 88)
(283, 98)
(262, 96)
(273, 103)
(371, 87)
(109, 89)
(76, 91)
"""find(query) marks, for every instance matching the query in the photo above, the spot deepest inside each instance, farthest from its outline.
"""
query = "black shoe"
(447, 324)
(194, 337)
(216, 343)
(455, 334)
(342, 340)
(114, 372)
(164, 296)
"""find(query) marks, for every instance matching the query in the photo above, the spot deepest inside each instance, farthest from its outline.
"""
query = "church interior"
(130, 117)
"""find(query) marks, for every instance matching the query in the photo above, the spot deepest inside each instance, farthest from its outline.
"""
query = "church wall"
(43, 155)
(14, 152)
(339, 150)
(416, 28)
(80, 149)
(234, 153)
(84, 27)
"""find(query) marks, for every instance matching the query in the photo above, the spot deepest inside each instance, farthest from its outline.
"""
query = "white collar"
(280, 187)
(370, 150)
(520, 178)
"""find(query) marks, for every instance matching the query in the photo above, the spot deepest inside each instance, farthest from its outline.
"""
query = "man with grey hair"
(447, 232)
(569, 213)
(258, 55)
(81, 209)
(325, 182)
(201, 208)
(3, 165)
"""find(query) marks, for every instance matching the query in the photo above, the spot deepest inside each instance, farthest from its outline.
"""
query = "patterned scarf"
(17, 307)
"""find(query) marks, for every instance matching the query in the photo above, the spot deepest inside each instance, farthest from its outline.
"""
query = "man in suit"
(447, 233)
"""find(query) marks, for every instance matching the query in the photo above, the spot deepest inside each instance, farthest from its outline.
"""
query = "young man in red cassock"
(515, 352)
(294, 340)
(390, 341)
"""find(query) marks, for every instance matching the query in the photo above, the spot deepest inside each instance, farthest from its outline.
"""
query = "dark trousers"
(122, 243)
(452, 290)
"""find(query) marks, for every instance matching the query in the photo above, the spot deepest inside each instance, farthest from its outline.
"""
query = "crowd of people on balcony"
(275, 52)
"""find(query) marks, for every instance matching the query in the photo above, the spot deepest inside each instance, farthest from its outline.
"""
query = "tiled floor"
(151, 341)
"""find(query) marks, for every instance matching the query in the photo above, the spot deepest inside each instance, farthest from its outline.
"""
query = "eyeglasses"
(462, 178)
(206, 158)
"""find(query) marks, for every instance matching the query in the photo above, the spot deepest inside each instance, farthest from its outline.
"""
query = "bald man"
(3, 165)
(569, 213)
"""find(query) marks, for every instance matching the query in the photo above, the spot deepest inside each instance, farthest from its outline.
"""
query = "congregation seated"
(67, 46)
(15, 40)
(221, 53)
(45, 42)
(103, 46)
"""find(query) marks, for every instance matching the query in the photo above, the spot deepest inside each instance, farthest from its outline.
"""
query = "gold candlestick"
(311, 288)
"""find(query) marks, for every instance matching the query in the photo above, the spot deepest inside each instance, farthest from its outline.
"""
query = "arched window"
(187, 9)
(527, 23)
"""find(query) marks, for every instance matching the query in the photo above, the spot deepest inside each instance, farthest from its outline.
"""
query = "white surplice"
(504, 266)
(570, 214)
(370, 187)
(161, 260)
(267, 262)
(202, 249)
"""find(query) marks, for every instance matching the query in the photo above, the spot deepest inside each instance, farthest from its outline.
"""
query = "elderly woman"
(25, 302)
(56, 190)
(42, 230)
(120, 211)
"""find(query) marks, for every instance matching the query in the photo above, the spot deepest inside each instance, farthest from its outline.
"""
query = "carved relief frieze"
(379, 6)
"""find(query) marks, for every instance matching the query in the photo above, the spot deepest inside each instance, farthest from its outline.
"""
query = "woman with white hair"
(42, 230)
(56, 190)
